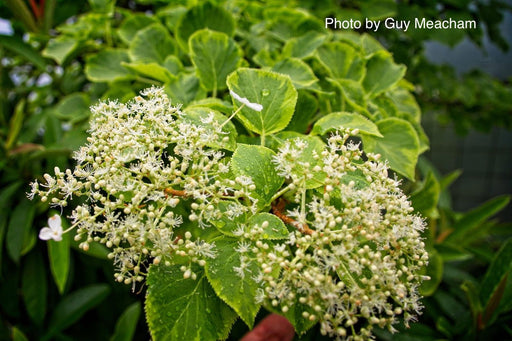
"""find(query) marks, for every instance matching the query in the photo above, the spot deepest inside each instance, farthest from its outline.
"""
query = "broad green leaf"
(23, 49)
(185, 309)
(215, 55)
(275, 229)
(493, 284)
(424, 199)
(212, 103)
(206, 15)
(273, 91)
(134, 24)
(74, 107)
(378, 9)
(300, 73)
(73, 306)
(353, 96)
(127, 323)
(34, 287)
(477, 216)
(342, 60)
(399, 145)
(200, 115)
(341, 120)
(256, 162)
(152, 45)
(184, 89)
(150, 70)
(303, 46)
(58, 254)
(18, 229)
(173, 64)
(434, 271)
(405, 103)
(381, 73)
(238, 289)
(106, 66)
(231, 219)
(61, 48)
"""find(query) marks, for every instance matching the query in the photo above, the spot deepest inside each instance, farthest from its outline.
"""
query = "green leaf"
(477, 216)
(435, 272)
(134, 24)
(424, 199)
(300, 73)
(197, 115)
(19, 228)
(342, 60)
(15, 124)
(353, 94)
(399, 145)
(275, 229)
(303, 46)
(215, 55)
(106, 66)
(185, 309)
(237, 290)
(127, 323)
(34, 288)
(305, 110)
(72, 307)
(61, 48)
(273, 91)
(152, 45)
(23, 49)
(493, 284)
(184, 89)
(58, 254)
(340, 120)
(17, 335)
(256, 162)
(206, 15)
(381, 73)
(74, 107)
(150, 70)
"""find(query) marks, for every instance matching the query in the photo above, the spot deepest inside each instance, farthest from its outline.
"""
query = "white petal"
(55, 222)
(235, 95)
(46, 233)
(57, 236)
(255, 106)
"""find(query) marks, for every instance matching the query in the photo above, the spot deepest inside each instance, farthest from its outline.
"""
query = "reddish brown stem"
(278, 210)
(175, 192)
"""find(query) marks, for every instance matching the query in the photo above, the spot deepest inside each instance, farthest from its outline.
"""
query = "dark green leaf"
(126, 324)
(19, 228)
(73, 306)
(185, 309)
(434, 271)
(34, 287)
(58, 254)
(18, 46)
(424, 199)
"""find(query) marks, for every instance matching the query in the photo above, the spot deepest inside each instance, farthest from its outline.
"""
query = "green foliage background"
(77, 52)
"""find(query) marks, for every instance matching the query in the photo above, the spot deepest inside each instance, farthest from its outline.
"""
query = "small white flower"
(253, 106)
(54, 231)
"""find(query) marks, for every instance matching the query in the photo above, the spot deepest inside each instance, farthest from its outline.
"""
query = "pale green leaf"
(150, 70)
(61, 48)
(184, 89)
(256, 162)
(342, 60)
(73, 107)
(381, 73)
(399, 145)
(106, 66)
(273, 91)
(303, 46)
(152, 44)
(345, 120)
(185, 309)
(300, 73)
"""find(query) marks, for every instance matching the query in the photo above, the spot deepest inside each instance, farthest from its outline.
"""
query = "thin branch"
(278, 210)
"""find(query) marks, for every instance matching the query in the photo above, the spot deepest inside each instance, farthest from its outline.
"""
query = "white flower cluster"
(357, 262)
(144, 163)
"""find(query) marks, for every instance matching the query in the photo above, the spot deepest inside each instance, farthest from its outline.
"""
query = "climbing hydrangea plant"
(316, 230)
